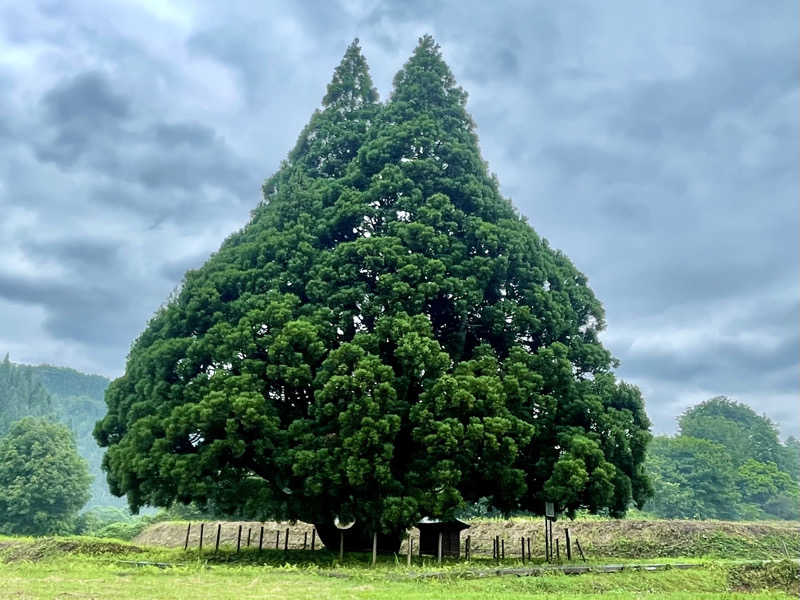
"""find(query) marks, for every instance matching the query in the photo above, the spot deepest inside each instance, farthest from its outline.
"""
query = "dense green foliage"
(43, 480)
(727, 462)
(387, 338)
(692, 478)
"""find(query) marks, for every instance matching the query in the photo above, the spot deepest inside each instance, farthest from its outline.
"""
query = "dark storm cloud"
(90, 123)
(78, 314)
(182, 134)
(741, 365)
(80, 113)
(654, 143)
(86, 99)
(77, 254)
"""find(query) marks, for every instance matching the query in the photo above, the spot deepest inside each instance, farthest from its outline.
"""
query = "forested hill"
(21, 395)
(65, 382)
(67, 396)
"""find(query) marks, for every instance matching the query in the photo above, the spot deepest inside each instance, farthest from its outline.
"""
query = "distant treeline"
(726, 462)
(63, 395)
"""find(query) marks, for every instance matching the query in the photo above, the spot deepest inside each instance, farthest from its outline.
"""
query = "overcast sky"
(655, 143)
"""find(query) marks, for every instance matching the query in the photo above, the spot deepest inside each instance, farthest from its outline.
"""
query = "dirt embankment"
(658, 538)
(173, 534)
(611, 538)
(46, 547)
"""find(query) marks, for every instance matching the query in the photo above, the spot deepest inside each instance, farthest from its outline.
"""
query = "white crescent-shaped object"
(340, 525)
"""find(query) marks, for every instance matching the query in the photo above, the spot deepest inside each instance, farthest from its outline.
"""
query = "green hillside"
(21, 395)
(65, 382)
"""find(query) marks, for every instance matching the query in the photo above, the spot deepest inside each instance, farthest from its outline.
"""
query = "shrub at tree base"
(111, 522)
(780, 575)
(43, 480)
(386, 339)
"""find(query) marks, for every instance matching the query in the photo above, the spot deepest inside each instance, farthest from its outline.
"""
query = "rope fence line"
(236, 536)
(217, 535)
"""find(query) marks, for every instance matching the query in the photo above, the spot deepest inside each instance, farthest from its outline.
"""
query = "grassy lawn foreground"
(86, 568)
(97, 579)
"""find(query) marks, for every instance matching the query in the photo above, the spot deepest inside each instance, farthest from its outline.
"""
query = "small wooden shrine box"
(429, 530)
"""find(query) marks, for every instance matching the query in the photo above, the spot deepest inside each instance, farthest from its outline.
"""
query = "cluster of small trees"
(726, 462)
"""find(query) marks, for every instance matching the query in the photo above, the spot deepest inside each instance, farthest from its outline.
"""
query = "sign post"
(342, 527)
(549, 516)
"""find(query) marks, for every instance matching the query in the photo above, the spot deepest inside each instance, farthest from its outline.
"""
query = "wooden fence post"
(216, 543)
(546, 542)
(261, 539)
(200, 548)
(522, 543)
(558, 552)
(566, 542)
(467, 547)
(529, 549)
(305, 539)
(313, 537)
(578, 546)
(239, 539)
(277, 539)
(374, 548)
(249, 531)
(410, 550)
(503, 549)
(186, 543)
(286, 541)
(439, 549)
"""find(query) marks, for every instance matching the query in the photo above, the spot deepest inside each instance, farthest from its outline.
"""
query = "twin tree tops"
(386, 339)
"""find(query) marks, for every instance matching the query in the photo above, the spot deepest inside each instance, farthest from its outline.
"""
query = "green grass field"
(91, 568)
